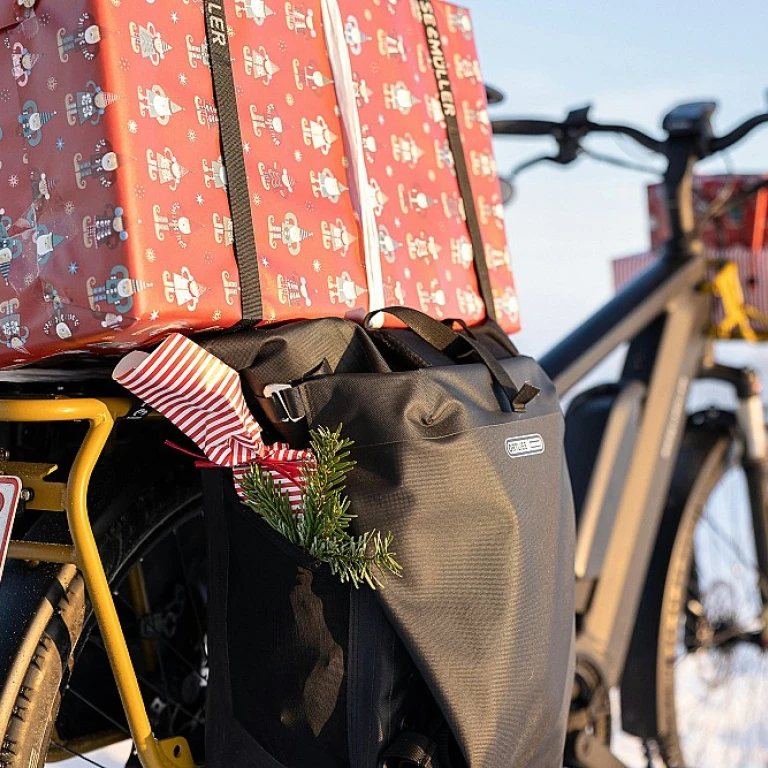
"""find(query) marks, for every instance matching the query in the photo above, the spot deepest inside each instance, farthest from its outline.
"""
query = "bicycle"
(652, 607)
(103, 615)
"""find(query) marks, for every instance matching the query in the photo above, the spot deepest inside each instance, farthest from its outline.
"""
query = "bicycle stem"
(685, 241)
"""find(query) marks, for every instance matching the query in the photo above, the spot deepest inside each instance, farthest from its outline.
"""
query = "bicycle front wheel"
(712, 664)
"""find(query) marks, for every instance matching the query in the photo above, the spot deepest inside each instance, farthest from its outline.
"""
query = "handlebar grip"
(493, 95)
(526, 127)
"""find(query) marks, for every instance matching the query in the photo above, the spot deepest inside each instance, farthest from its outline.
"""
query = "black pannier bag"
(466, 659)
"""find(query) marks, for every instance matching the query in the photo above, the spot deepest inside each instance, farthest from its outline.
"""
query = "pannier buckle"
(275, 393)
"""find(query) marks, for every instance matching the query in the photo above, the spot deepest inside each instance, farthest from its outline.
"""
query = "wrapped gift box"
(752, 266)
(734, 228)
(115, 223)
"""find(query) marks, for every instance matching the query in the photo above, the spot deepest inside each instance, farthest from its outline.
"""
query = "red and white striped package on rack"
(203, 397)
(751, 262)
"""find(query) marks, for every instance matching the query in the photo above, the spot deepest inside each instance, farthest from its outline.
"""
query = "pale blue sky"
(632, 61)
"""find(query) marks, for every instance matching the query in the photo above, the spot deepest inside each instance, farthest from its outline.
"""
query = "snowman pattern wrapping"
(114, 218)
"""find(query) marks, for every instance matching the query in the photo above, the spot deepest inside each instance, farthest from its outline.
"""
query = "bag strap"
(491, 331)
(234, 162)
(448, 103)
(458, 348)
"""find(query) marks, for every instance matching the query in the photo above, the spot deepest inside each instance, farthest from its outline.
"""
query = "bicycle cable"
(619, 162)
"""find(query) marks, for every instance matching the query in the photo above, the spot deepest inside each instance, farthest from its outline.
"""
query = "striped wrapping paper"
(753, 271)
(203, 397)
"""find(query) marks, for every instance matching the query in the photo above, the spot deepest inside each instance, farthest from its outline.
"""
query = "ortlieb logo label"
(527, 445)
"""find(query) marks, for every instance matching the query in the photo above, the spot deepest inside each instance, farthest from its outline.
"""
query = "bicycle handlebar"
(688, 139)
(627, 130)
(579, 129)
(738, 133)
(526, 127)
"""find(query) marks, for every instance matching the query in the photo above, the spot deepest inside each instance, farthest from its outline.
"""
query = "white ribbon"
(341, 67)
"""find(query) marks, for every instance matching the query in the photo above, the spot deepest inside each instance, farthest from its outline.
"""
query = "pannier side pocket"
(304, 670)
(280, 619)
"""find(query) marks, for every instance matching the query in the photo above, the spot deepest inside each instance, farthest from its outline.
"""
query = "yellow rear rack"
(739, 317)
(71, 497)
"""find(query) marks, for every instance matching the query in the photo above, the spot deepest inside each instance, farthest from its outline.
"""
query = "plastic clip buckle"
(275, 393)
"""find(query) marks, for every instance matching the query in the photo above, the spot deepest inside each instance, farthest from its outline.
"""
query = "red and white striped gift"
(753, 271)
(203, 397)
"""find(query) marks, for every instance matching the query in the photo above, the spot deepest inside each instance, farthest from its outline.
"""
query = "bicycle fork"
(750, 419)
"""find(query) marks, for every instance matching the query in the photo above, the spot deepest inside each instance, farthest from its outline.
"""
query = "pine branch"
(263, 496)
(325, 509)
(322, 527)
(358, 559)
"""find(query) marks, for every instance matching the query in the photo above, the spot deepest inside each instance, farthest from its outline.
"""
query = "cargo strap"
(448, 103)
(234, 163)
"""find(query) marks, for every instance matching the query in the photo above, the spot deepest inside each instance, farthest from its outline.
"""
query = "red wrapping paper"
(735, 228)
(114, 218)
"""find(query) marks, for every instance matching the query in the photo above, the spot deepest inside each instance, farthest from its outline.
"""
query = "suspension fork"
(751, 422)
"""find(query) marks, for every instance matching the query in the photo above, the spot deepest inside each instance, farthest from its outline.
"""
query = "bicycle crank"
(589, 721)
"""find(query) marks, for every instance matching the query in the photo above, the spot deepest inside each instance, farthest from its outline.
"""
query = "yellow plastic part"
(140, 602)
(738, 315)
(169, 753)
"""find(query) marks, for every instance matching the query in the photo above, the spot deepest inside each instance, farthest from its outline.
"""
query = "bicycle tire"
(689, 659)
(167, 494)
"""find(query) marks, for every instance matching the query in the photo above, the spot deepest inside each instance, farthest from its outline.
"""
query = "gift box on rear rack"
(308, 172)
(751, 265)
(740, 226)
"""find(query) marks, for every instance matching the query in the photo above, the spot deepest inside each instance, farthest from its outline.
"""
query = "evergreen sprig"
(321, 527)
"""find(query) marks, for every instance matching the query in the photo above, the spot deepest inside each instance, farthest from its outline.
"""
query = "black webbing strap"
(234, 163)
(448, 104)
(457, 347)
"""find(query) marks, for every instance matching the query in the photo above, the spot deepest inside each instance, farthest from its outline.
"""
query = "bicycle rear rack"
(71, 497)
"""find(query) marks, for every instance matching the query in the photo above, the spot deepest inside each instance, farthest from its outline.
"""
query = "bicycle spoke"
(75, 753)
(190, 594)
(163, 676)
(154, 688)
(719, 665)
(167, 643)
(98, 710)
(166, 695)
(728, 541)
(177, 629)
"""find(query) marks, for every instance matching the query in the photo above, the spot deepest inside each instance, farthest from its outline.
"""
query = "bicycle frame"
(665, 315)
